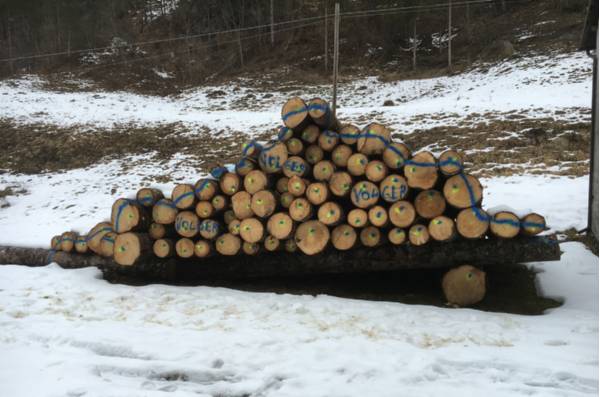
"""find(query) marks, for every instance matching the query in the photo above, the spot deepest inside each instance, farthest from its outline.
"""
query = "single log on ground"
(358, 218)
(393, 188)
(472, 222)
(442, 228)
(328, 140)
(294, 114)
(148, 196)
(184, 247)
(396, 236)
(463, 191)
(67, 241)
(228, 244)
(330, 213)
(371, 236)
(127, 215)
(317, 193)
(421, 172)
(187, 224)
(533, 224)
(272, 157)
(321, 114)
(312, 237)
(450, 163)
(107, 244)
(464, 285)
(374, 139)
(241, 203)
(81, 244)
(418, 235)
(263, 203)
(310, 134)
(364, 194)
(376, 170)
(340, 184)
(252, 230)
(129, 247)
(395, 155)
(429, 204)
(340, 155)
(357, 164)
(183, 196)
(323, 170)
(230, 183)
(164, 212)
(343, 237)
(402, 214)
(163, 248)
(94, 236)
(204, 209)
(300, 209)
(203, 248)
(505, 224)
(255, 181)
(378, 216)
(280, 226)
(314, 154)
(294, 146)
(296, 166)
(209, 229)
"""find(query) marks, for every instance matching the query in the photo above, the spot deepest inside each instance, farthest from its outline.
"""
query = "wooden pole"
(450, 35)
(336, 55)
(414, 60)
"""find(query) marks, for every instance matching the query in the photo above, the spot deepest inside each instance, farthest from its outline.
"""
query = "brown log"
(317, 193)
(220, 202)
(263, 203)
(418, 235)
(397, 236)
(429, 204)
(187, 224)
(294, 146)
(157, 231)
(209, 229)
(127, 215)
(450, 163)
(148, 196)
(164, 212)
(255, 181)
(296, 186)
(464, 285)
(296, 166)
(328, 140)
(81, 244)
(228, 244)
(395, 155)
(393, 188)
(163, 248)
(340, 184)
(310, 134)
(376, 170)
(343, 237)
(357, 164)
(375, 140)
(230, 183)
(290, 245)
(67, 241)
(312, 237)
(252, 230)
(204, 209)
(286, 199)
(241, 203)
(300, 209)
(130, 247)
(245, 165)
(364, 194)
(183, 196)
(442, 228)
(272, 157)
(203, 248)
(422, 172)
(280, 226)
(358, 218)
(349, 134)
(330, 213)
(95, 236)
(205, 189)
(234, 227)
(533, 224)
(340, 155)
(323, 170)
(505, 224)
(284, 134)
(456, 191)
(294, 114)
(184, 247)
(228, 216)
(314, 154)
(107, 244)
(321, 114)
(282, 184)
(250, 248)
(371, 236)
(378, 216)
(272, 243)
(402, 214)
(472, 222)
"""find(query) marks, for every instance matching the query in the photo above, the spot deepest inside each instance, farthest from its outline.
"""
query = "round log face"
(230, 183)
(397, 236)
(184, 248)
(393, 188)
(263, 203)
(67, 241)
(314, 154)
(378, 216)
(463, 191)
(464, 285)
(204, 209)
(395, 155)
(343, 237)
(148, 196)
(429, 204)
(272, 243)
(421, 172)
(441, 228)
(310, 134)
(157, 231)
(402, 214)
(320, 112)
(450, 162)
(358, 218)
(364, 194)
(340, 155)
(317, 193)
(505, 224)
(472, 222)
(202, 248)
(282, 184)
(234, 227)
(272, 157)
(280, 225)
(163, 248)
(255, 181)
(183, 196)
(286, 200)
(125, 215)
(300, 209)
(95, 235)
(164, 212)
(340, 184)
(296, 186)
(55, 243)
(81, 244)
(252, 230)
(533, 224)
(296, 166)
(349, 134)
(219, 202)
(128, 247)
(418, 235)
(330, 213)
(357, 164)
(205, 189)
(328, 140)
(228, 244)
(370, 236)
(294, 113)
(241, 203)
(375, 139)
(250, 248)
(209, 229)
(107, 244)
(323, 170)
(290, 245)
(376, 170)
(294, 146)
(228, 216)
(187, 224)
(312, 237)
(245, 165)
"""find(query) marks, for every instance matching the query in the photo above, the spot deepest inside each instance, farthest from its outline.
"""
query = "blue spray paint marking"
(104, 229)
(314, 106)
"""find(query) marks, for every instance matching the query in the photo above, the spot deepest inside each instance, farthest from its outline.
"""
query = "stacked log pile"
(319, 184)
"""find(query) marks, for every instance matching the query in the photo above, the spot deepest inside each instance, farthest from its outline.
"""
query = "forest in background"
(180, 39)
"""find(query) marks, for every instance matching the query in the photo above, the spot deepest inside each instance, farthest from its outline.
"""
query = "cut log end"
(129, 247)
(312, 237)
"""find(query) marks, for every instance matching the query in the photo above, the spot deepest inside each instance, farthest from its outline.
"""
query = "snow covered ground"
(69, 333)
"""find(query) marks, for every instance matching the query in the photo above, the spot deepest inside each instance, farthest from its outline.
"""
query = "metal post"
(450, 35)
(326, 39)
(272, 25)
(336, 54)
